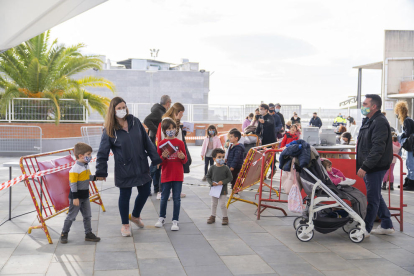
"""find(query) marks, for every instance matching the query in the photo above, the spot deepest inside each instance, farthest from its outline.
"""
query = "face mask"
(171, 133)
(220, 161)
(262, 112)
(250, 119)
(211, 132)
(365, 110)
(271, 111)
(295, 117)
(121, 113)
(277, 110)
(343, 142)
(87, 159)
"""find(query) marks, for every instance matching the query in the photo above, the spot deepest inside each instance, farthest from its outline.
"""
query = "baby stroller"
(320, 217)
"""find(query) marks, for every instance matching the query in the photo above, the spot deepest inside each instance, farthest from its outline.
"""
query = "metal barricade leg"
(10, 193)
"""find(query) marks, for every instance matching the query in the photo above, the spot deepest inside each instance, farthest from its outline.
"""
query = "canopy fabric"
(20, 20)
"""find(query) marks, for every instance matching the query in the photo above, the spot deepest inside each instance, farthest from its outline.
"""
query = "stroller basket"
(327, 225)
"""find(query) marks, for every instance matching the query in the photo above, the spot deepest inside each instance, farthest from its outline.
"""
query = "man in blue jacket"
(278, 121)
(315, 121)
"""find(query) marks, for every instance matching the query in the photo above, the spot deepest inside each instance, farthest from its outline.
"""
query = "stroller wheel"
(305, 237)
(298, 221)
(349, 226)
(356, 235)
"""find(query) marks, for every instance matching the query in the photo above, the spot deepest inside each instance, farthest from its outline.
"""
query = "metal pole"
(10, 193)
(359, 88)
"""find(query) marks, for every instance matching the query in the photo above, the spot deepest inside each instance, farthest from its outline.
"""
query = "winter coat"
(235, 157)
(278, 122)
(131, 149)
(216, 144)
(374, 147)
(282, 119)
(266, 131)
(154, 119)
(299, 149)
(317, 122)
(396, 147)
(288, 138)
(246, 123)
(336, 176)
(294, 122)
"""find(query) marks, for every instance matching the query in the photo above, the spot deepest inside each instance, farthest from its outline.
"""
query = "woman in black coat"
(126, 137)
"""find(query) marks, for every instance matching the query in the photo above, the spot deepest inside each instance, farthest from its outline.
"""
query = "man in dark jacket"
(266, 128)
(278, 121)
(374, 157)
(235, 156)
(152, 122)
(315, 121)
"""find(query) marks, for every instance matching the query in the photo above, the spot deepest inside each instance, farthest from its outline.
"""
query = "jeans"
(207, 160)
(125, 196)
(156, 178)
(410, 165)
(390, 173)
(215, 201)
(166, 187)
(85, 208)
(376, 204)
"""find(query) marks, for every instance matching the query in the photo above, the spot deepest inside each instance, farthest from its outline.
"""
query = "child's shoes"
(225, 221)
(92, 237)
(211, 219)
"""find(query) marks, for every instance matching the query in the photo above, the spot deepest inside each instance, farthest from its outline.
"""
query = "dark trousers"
(125, 196)
(85, 208)
(376, 204)
(235, 174)
(207, 161)
(156, 178)
(176, 187)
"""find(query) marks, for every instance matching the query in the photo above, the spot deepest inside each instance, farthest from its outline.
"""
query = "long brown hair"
(401, 109)
(212, 127)
(111, 122)
(173, 111)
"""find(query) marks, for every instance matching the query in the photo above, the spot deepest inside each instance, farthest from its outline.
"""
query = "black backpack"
(409, 143)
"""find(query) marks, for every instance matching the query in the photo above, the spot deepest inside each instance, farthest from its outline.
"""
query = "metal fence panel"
(91, 135)
(27, 139)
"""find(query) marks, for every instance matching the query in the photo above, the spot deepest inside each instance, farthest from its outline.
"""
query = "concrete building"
(397, 81)
(146, 80)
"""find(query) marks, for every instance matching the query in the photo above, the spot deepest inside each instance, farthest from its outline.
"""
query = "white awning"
(376, 65)
(401, 96)
(20, 20)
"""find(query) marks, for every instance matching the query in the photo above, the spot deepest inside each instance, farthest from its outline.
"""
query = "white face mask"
(343, 142)
(121, 113)
(263, 112)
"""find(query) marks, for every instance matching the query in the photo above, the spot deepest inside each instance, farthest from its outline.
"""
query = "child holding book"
(173, 155)
(211, 142)
(389, 176)
(219, 175)
(79, 177)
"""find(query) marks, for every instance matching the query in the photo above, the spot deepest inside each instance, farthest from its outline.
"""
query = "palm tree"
(35, 69)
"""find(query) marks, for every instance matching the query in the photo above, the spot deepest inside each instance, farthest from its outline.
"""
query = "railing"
(24, 139)
(92, 136)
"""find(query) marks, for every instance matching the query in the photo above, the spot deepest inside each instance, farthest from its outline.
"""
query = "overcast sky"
(292, 52)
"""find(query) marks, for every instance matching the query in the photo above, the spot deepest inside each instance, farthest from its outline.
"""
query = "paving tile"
(36, 264)
(326, 261)
(216, 270)
(150, 235)
(352, 252)
(379, 267)
(259, 239)
(168, 266)
(300, 247)
(353, 272)
(70, 253)
(72, 268)
(409, 268)
(298, 269)
(5, 254)
(399, 257)
(278, 254)
(247, 264)
(198, 256)
(131, 272)
(231, 247)
(219, 233)
(155, 250)
(31, 246)
(11, 240)
(115, 244)
(115, 260)
(246, 227)
(185, 229)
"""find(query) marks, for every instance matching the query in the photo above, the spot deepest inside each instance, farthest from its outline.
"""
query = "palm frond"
(10, 92)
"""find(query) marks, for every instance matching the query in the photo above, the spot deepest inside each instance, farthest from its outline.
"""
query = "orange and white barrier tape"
(16, 180)
(195, 138)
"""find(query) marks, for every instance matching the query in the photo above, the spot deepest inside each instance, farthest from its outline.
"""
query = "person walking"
(374, 157)
(126, 137)
(266, 128)
(315, 121)
(152, 121)
(401, 110)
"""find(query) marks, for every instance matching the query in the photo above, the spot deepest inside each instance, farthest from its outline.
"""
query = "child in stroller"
(336, 176)
(324, 197)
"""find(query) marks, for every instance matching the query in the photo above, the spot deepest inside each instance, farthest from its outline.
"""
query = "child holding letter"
(219, 175)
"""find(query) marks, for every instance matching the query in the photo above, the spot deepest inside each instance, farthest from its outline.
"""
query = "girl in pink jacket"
(389, 176)
(211, 142)
(335, 175)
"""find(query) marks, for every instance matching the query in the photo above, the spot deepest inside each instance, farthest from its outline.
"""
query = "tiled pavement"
(244, 247)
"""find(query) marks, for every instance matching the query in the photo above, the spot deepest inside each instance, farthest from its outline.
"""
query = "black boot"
(64, 237)
(384, 186)
(405, 183)
(91, 237)
(410, 185)
(392, 186)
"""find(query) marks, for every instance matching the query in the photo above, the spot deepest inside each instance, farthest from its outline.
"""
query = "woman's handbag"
(295, 200)
(289, 178)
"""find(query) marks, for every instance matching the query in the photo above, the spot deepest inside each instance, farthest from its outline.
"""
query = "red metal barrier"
(348, 168)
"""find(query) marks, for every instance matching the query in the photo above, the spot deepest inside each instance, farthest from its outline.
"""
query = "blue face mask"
(277, 110)
(171, 133)
(365, 110)
(87, 159)
(220, 161)
(211, 132)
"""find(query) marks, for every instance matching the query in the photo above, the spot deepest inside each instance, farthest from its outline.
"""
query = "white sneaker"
(381, 231)
(366, 233)
(182, 195)
(174, 226)
(159, 196)
(160, 223)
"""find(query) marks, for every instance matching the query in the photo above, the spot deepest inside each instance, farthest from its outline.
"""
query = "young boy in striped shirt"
(79, 177)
